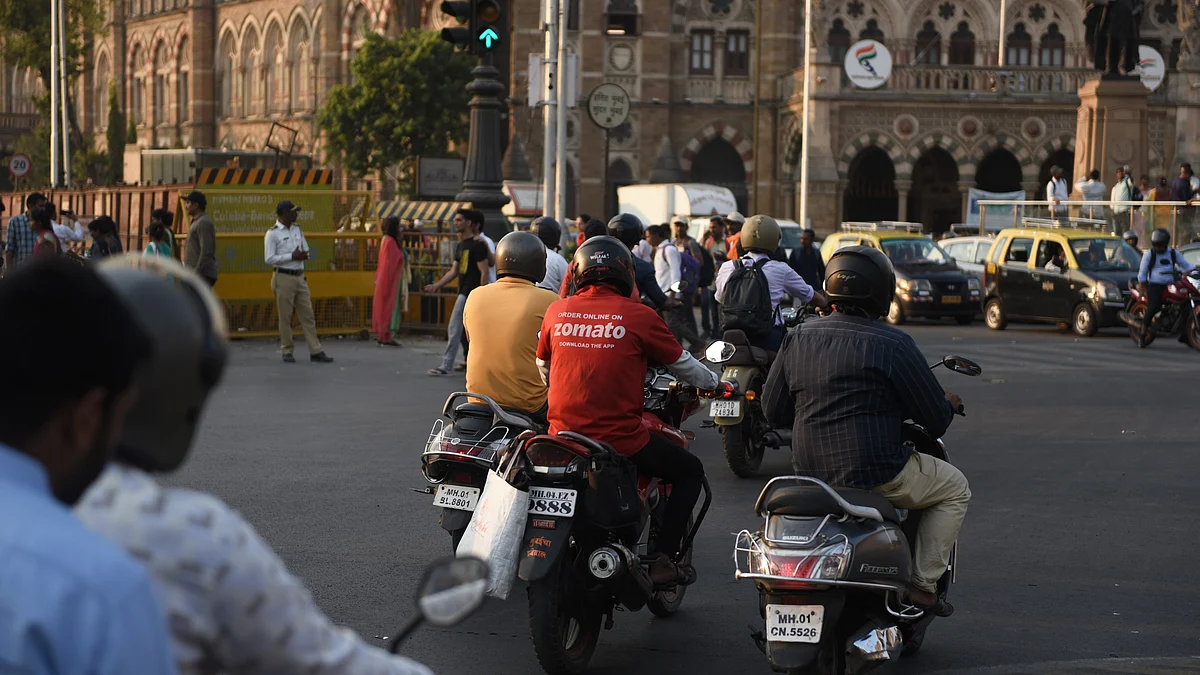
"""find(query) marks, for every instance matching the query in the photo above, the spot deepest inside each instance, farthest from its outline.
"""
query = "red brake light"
(548, 454)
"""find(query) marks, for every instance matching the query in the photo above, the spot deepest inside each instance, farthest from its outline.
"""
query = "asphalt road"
(1078, 554)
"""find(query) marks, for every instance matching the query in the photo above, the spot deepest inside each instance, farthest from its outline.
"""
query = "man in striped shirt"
(847, 382)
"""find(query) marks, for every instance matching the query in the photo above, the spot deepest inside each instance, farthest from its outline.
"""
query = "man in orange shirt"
(733, 225)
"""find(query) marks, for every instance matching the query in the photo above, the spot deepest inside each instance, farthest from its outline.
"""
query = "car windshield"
(1105, 254)
(791, 237)
(915, 252)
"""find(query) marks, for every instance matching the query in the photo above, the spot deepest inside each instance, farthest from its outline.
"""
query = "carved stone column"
(902, 188)
(720, 40)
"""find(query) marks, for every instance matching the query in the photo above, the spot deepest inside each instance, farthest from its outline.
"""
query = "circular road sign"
(19, 165)
(608, 105)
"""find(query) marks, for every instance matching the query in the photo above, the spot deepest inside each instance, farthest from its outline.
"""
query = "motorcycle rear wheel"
(664, 604)
(1193, 333)
(1137, 311)
(455, 537)
(564, 634)
(831, 661)
(742, 456)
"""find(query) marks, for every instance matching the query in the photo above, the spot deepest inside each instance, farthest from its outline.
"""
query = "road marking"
(1112, 356)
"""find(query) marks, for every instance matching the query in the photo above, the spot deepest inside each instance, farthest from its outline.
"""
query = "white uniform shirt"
(644, 251)
(1122, 192)
(279, 244)
(556, 269)
(667, 267)
(1093, 191)
(231, 605)
(65, 233)
(492, 248)
(1057, 189)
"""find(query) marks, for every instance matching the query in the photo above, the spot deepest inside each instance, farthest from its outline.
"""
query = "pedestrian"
(581, 222)
(548, 231)
(471, 270)
(167, 219)
(65, 226)
(688, 246)
(806, 260)
(285, 250)
(1122, 191)
(105, 242)
(1057, 194)
(200, 250)
(668, 271)
(391, 285)
(159, 243)
(714, 242)
(45, 243)
(733, 225)
(70, 601)
(1181, 187)
(20, 242)
(1093, 190)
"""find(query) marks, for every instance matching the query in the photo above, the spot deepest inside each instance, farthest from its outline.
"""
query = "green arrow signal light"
(488, 37)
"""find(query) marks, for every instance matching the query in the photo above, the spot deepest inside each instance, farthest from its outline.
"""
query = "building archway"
(934, 200)
(1062, 158)
(719, 163)
(871, 193)
(999, 171)
(620, 174)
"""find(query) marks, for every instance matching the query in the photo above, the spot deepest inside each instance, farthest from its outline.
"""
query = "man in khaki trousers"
(285, 250)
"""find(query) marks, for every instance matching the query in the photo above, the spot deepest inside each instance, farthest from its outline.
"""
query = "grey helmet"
(522, 255)
(760, 233)
(187, 330)
(548, 230)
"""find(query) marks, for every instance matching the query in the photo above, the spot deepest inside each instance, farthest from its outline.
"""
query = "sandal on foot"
(438, 372)
(460, 368)
(685, 575)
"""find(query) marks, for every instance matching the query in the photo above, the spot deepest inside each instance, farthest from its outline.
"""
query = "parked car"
(969, 253)
(928, 284)
(1087, 295)
(1191, 253)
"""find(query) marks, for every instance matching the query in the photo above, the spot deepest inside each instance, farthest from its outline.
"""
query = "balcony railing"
(707, 89)
(18, 121)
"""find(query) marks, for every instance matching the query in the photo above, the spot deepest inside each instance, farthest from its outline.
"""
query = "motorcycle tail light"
(549, 454)
(829, 562)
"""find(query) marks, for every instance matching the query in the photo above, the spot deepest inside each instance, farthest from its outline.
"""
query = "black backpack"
(747, 300)
(708, 269)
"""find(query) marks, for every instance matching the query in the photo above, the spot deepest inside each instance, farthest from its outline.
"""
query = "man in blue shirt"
(1156, 271)
(70, 602)
(20, 235)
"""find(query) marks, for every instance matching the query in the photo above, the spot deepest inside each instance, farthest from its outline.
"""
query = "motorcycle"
(745, 431)
(450, 591)
(591, 530)
(1180, 312)
(832, 566)
(464, 444)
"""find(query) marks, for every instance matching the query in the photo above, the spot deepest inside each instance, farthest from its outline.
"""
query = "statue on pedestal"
(1189, 25)
(1112, 34)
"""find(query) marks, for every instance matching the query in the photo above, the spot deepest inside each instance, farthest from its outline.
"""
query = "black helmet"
(603, 260)
(521, 254)
(1160, 237)
(1131, 237)
(626, 227)
(548, 230)
(862, 277)
(186, 326)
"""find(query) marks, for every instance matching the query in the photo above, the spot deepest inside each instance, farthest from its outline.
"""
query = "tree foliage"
(27, 34)
(115, 136)
(408, 99)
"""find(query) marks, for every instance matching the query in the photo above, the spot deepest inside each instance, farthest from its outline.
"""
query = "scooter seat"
(480, 410)
(811, 501)
(746, 354)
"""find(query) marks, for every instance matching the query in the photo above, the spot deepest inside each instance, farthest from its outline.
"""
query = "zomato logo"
(589, 330)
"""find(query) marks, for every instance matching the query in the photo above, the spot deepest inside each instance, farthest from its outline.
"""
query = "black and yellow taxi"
(928, 282)
(1070, 275)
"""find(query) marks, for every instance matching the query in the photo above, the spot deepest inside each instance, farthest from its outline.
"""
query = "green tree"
(408, 99)
(115, 136)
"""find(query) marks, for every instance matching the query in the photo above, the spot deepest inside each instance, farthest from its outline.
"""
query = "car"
(1088, 295)
(969, 253)
(928, 284)
(1191, 253)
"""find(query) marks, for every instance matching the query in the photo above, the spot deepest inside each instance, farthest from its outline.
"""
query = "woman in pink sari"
(391, 287)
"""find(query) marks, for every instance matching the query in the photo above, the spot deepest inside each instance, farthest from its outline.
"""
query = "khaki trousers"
(292, 296)
(942, 491)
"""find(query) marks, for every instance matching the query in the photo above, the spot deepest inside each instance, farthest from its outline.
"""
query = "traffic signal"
(462, 12)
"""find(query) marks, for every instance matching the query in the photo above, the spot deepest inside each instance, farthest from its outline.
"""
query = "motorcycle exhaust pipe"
(613, 563)
(777, 438)
(872, 647)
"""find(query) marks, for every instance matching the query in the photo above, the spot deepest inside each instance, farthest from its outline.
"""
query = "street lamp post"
(804, 139)
(483, 179)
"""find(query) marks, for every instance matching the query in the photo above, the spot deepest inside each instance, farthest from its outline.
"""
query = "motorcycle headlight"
(828, 562)
(974, 285)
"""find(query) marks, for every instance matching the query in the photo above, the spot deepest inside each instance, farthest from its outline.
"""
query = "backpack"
(708, 269)
(690, 271)
(747, 300)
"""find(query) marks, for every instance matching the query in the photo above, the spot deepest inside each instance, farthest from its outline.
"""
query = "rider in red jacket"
(594, 348)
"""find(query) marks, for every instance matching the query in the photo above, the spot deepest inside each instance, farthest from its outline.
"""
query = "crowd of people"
(1125, 217)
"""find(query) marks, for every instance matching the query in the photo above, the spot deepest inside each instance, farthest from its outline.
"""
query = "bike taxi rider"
(848, 382)
(593, 352)
(1154, 274)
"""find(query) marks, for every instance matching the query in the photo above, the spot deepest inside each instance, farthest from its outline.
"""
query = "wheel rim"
(1083, 321)
(570, 634)
(993, 314)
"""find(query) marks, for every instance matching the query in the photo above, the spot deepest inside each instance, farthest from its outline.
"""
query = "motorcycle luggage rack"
(484, 449)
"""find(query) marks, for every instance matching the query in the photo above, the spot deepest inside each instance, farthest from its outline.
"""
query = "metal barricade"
(1118, 217)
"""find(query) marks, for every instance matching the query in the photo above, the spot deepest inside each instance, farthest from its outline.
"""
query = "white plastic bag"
(495, 531)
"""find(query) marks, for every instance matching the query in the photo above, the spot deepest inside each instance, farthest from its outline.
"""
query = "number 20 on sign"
(19, 165)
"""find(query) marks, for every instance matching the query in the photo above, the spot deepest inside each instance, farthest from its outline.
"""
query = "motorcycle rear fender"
(541, 547)
(741, 376)
(797, 655)
(453, 520)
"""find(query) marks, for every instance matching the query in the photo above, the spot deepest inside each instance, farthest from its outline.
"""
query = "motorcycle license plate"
(456, 497)
(951, 300)
(725, 409)
(544, 501)
(795, 623)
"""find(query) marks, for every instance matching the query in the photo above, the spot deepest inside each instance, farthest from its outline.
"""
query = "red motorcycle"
(590, 536)
(1180, 312)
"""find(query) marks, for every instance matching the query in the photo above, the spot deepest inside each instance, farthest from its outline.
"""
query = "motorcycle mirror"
(678, 286)
(719, 352)
(963, 366)
(452, 590)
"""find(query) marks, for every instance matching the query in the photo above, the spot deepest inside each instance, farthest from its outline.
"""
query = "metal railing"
(1117, 217)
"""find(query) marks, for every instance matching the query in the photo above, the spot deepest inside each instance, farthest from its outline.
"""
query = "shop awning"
(427, 211)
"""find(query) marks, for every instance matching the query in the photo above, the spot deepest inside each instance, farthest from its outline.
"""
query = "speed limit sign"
(19, 165)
